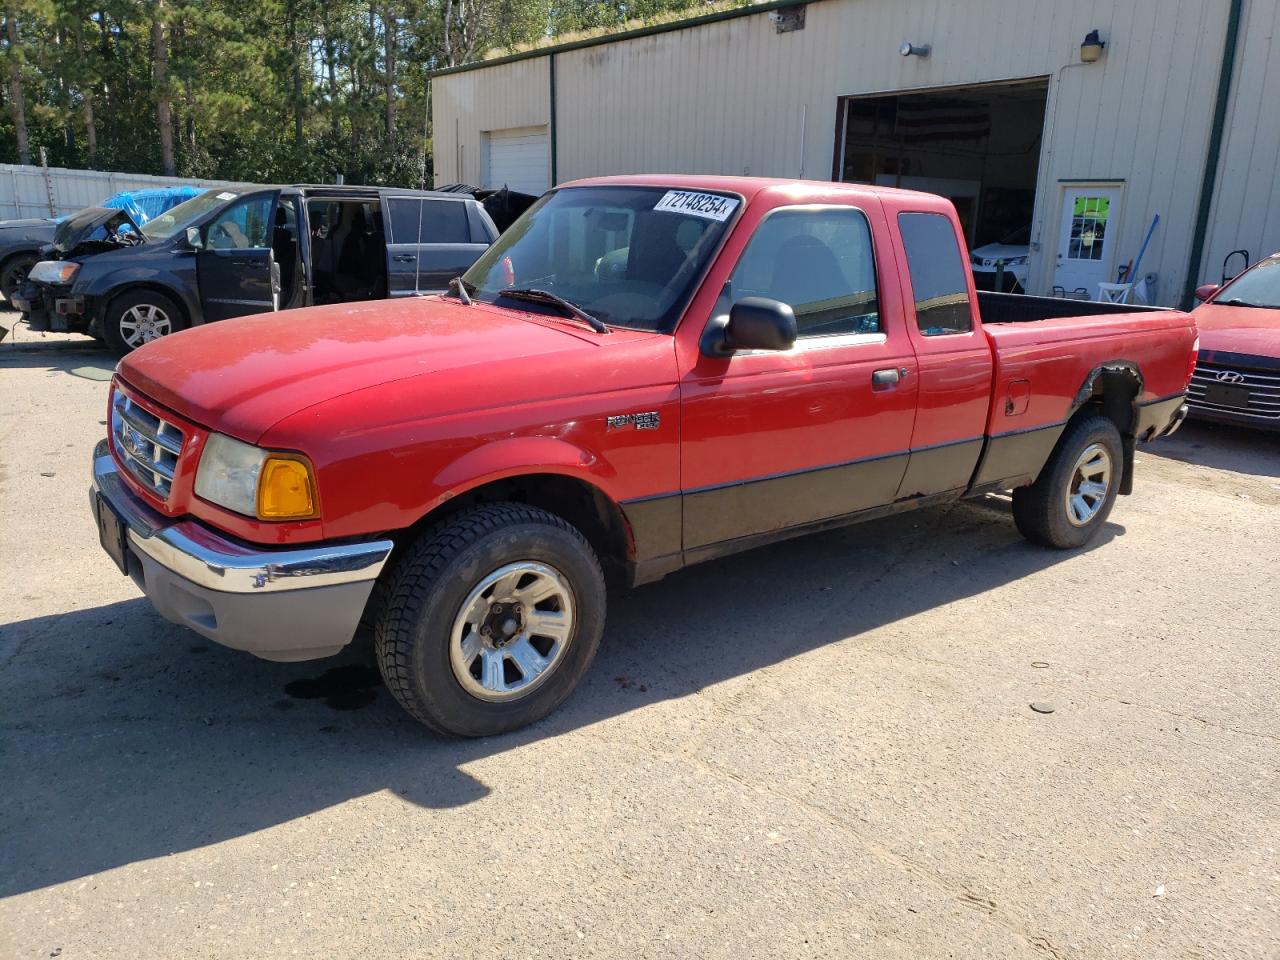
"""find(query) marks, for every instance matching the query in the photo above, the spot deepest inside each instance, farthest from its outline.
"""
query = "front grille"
(1263, 388)
(146, 445)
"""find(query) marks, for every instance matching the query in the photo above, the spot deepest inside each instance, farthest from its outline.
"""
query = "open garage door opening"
(978, 146)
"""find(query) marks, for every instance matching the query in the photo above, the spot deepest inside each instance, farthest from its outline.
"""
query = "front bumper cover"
(283, 604)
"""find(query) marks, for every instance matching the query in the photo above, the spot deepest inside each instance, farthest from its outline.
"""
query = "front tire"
(13, 273)
(490, 620)
(1074, 494)
(138, 317)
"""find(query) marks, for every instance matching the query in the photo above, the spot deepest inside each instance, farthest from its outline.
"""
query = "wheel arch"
(1112, 390)
(154, 286)
(567, 494)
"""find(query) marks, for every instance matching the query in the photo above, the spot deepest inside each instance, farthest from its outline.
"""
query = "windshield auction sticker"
(711, 206)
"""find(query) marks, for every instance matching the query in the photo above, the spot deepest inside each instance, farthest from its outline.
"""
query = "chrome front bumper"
(284, 604)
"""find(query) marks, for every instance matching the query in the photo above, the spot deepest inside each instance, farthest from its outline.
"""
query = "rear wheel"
(138, 317)
(490, 620)
(1077, 488)
(13, 273)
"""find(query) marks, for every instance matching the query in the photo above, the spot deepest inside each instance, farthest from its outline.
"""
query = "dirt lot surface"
(819, 749)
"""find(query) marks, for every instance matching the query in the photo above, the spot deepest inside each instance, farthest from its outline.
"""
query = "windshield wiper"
(1237, 302)
(459, 286)
(546, 296)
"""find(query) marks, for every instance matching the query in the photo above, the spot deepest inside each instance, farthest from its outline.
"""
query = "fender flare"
(520, 456)
(1113, 407)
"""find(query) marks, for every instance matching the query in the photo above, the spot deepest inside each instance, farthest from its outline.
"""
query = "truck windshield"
(629, 256)
(171, 221)
(1258, 287)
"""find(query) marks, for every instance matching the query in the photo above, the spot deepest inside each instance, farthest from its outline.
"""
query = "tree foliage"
(255, 90)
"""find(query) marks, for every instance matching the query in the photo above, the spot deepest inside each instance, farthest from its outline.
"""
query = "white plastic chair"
(1114, 292)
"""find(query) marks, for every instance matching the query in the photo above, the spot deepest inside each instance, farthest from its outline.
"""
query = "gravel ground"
(819, 749)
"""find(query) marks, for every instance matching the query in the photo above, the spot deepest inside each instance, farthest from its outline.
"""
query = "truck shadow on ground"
(127, 738)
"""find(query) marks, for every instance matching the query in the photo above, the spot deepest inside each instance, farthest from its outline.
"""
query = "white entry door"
(1090, 215)
(519, 158)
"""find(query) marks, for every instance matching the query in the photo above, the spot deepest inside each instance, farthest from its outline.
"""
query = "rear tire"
(466, 638)
(137, 317)
(1074, 494)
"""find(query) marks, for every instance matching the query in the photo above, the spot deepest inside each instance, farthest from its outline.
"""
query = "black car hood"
(80, 226)
(30, 223)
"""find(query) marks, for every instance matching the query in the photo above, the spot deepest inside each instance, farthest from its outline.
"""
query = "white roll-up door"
(519, 158)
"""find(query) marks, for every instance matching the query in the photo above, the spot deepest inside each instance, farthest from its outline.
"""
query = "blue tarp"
(144, 205)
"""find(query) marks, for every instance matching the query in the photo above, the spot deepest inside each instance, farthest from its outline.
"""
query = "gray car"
(237, 251)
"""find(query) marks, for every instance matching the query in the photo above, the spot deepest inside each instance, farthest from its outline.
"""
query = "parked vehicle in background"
(236, 251)
(641, 374)
(22, 240)
(1009, 254)
(504, 205)
(1237, 378)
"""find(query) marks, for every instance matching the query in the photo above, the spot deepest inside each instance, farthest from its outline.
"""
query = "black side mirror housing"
(754, 323)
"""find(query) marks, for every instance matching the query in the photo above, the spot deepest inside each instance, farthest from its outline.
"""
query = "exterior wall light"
(1092, 47)
(909, 49)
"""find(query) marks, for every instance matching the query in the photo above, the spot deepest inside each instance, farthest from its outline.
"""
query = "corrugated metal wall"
(737, 97)
(1246, 208)
(469, 105)
(25, 190)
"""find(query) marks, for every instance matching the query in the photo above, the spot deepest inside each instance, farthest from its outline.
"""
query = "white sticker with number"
(226, 196)
(711, 206)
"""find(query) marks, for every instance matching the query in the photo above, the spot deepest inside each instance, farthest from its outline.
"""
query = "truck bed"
(1020, 308)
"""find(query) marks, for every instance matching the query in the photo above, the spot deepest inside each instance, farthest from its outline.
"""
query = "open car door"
(234, 266)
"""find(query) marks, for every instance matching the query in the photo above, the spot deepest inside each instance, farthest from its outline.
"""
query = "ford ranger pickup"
(641, 374)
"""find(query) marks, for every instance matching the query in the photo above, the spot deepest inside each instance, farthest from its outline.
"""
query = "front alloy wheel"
(143, 323)
(488, 621)
(138, 317)
(512, 631)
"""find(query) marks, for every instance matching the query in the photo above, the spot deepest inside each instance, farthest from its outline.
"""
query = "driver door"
(234, 268)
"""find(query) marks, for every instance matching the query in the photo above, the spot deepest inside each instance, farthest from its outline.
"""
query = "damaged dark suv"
(235, 251)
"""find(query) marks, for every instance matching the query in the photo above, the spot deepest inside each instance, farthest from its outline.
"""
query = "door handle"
(256, 264)
(404, 258)
(885, 379)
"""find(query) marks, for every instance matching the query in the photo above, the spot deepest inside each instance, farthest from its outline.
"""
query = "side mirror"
(194, 240)
(754, 323)
(1205, 291)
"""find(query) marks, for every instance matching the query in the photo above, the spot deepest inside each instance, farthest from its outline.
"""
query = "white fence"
(30, 191)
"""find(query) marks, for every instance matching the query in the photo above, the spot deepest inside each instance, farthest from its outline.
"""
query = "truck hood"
(1253, 331)
(241, 376)
(80, 226)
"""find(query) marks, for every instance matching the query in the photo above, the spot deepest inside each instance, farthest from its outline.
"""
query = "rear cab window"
(936, 269)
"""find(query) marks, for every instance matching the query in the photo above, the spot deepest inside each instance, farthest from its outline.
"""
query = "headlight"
(255, 482)
(54, 271)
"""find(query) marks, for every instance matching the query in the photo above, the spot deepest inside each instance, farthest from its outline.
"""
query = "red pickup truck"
(642, 373)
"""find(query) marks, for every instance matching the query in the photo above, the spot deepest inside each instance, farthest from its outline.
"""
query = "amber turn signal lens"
(286, 490)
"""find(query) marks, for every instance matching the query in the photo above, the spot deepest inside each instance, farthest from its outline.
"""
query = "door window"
(937, 272)
(819, 262)
(444, 221)
(1089, 217)
(406, 212)
(242, 226)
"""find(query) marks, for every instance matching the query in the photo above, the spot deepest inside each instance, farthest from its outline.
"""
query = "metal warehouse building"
(1000, 106)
